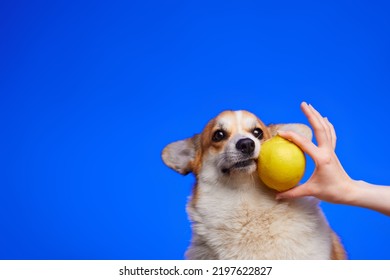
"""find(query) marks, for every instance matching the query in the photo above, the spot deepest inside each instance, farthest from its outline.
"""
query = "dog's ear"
(299, 128)
(180, 155)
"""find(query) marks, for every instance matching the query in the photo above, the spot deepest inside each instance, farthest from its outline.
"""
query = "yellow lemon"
(281, 164)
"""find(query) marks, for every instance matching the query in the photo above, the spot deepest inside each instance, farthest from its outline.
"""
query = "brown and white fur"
(233, 215)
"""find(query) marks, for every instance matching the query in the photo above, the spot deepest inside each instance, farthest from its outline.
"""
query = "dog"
(233, 214)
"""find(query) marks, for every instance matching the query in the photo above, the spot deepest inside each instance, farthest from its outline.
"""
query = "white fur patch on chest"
(245, 222)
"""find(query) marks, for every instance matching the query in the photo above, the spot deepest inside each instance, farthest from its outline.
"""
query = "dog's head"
(229, 145)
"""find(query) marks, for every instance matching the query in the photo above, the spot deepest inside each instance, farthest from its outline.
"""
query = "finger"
(305, 144)
(319, 116)
(333, 133)
(298, 191)
(328, 132)
(319, 126)
(316, 122)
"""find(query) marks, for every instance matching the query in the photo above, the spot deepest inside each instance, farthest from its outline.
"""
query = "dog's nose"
(246, 146)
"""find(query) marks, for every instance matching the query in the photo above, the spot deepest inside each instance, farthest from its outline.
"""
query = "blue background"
(91, 92)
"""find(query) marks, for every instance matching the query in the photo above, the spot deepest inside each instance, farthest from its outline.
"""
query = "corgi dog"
(233, 214)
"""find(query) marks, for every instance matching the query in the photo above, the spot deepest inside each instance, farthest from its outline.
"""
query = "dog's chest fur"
(242, 220)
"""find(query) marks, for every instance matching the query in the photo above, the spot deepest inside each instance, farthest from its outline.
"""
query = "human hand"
(329, 181)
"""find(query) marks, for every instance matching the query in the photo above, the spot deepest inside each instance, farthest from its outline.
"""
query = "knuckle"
(324, 159)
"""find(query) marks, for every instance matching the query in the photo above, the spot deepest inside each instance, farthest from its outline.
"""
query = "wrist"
(363, 194)
(352, 191)
(355, 190)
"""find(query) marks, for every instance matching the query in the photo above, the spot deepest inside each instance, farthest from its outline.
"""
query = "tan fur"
(338, 251)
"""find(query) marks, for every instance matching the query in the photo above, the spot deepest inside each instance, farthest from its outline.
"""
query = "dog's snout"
(246, 146)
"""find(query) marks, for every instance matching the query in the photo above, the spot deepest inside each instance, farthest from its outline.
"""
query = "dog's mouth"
(239, 165)
(244, 163)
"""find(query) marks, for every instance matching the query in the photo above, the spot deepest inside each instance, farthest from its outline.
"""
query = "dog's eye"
(219, 135)
(258, 133)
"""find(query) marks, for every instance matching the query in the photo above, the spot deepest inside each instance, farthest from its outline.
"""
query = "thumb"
(295, 192)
